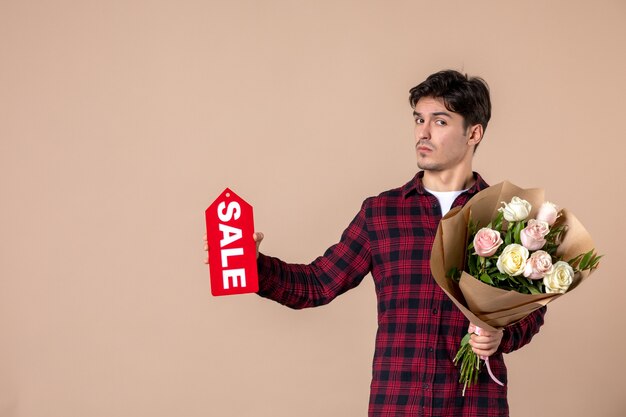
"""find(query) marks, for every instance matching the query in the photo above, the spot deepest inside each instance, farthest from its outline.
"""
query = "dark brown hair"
(467, 96)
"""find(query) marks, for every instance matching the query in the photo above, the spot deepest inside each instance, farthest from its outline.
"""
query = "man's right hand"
(258, 237)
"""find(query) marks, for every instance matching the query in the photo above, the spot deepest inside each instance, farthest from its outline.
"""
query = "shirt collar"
(416, 185)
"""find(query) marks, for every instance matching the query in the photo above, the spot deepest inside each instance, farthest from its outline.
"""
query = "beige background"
(120, 122)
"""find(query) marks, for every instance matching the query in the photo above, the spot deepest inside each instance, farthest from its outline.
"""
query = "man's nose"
(422, 131)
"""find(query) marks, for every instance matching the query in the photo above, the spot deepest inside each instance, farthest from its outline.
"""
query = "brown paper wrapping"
(486, 306)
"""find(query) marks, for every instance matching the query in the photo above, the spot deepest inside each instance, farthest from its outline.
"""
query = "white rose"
(513, 259)
(559, 278)
(516, 210)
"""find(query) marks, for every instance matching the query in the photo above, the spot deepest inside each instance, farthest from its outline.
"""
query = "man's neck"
(448, 180)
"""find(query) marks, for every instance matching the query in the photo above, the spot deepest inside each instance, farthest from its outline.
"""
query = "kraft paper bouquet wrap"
(488, 306)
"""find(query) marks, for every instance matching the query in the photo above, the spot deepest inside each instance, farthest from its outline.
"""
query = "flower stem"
(470, 363)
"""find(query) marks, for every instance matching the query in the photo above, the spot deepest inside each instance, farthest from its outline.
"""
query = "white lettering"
(229, 234)
(230, 252)
(233, 208)
(234, 274)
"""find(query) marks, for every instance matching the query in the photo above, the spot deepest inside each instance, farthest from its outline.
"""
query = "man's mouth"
(422, 148)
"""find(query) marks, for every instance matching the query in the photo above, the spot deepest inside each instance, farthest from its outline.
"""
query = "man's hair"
(467, 96)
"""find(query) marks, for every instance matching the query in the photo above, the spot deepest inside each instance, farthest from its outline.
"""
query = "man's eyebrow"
(437, 113)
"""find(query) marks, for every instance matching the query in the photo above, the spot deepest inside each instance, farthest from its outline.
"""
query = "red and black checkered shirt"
(419, 328)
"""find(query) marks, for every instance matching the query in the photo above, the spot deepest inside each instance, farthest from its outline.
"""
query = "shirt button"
(425, 386)
(430, 350)
(435, 311)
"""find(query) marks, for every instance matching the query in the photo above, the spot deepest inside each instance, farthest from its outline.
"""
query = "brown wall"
(120, 122)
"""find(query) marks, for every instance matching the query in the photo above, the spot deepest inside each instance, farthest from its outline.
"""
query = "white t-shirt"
(446, 198)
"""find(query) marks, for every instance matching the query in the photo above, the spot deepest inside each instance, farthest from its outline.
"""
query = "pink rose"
(539, 264)
(486, 242)
(533, 235)
(548, 213)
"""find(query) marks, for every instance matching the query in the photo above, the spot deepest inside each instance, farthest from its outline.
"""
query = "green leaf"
(550, 248)
(502, 277)
(540, 286)
(518, 229)
(471, 264)
(508, 237)
(466, 339)
(585, 260)
(530, 285)
(454, 273)
(594, 262)
(554, 233)
(574, 261)
(471, 228)
(486, 279)
(534, 290)
(497, 223)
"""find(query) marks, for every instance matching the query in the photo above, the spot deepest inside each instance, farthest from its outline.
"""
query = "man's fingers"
(484, 342)
(484, 353)
(206, 249)
(258, 237)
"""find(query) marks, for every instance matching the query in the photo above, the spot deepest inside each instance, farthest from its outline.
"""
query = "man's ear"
(475, 134)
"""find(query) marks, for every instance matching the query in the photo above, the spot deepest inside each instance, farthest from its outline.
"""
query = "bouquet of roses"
(506, 253)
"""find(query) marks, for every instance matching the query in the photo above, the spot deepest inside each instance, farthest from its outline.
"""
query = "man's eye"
(441, 122)
(419, 121)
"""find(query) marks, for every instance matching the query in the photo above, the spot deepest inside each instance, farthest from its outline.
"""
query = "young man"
(419, 328)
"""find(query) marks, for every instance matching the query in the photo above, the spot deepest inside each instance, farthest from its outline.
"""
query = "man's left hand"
(484, 342)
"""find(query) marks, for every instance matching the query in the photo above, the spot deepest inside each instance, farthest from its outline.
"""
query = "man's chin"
(427, 166)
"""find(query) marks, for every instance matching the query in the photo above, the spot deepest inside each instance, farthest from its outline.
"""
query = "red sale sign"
(232, 250)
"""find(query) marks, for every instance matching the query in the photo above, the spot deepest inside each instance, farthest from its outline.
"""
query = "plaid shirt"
(419, 328)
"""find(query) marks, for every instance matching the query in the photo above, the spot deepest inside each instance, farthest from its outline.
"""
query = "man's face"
(441, 141)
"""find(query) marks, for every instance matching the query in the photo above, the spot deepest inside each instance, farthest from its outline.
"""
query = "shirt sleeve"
(519, 334)
(341, 268)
